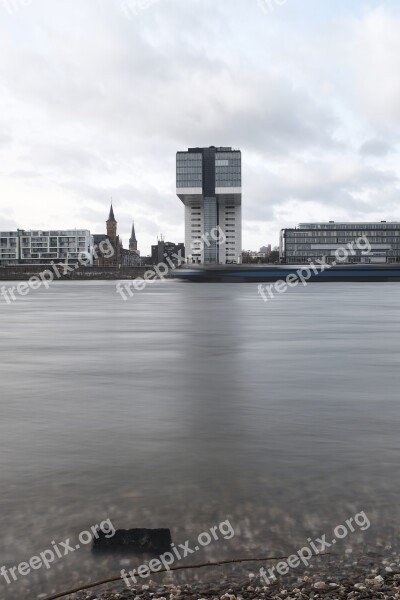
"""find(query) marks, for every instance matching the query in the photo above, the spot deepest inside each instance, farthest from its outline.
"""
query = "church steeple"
(112, 227)
(111, 217)
(133, 240)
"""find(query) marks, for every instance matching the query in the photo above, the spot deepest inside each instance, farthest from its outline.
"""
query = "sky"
(97, 96)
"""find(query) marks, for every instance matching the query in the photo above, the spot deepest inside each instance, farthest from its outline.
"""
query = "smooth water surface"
(192, 403)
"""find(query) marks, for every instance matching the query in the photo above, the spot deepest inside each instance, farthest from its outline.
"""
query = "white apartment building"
(43, 247)
(209, 183)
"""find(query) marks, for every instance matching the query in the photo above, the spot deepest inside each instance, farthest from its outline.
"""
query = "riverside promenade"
(24, 272)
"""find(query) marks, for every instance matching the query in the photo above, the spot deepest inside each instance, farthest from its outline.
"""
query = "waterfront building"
(167, 250)
(209, 184)
(43, 247)
(309, 242)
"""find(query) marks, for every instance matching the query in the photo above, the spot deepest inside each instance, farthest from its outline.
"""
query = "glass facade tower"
(209, 183)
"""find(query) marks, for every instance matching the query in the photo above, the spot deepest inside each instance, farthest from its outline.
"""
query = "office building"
(318, 241)
(209, 183)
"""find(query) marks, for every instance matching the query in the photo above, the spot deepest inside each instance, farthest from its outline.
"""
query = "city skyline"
(317, 120)
(199, 291)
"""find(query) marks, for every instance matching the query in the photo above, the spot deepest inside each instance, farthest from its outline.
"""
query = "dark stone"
(152, 541)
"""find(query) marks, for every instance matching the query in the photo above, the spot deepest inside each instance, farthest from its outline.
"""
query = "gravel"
(360, 587)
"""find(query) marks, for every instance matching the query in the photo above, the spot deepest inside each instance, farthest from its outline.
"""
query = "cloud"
(376, 148)
(376, 63)
(6, 222)
(102, 103)
(5, 139)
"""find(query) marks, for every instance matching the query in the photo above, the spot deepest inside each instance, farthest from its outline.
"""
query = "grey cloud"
(376, 147)
(153, 211)
(114, 100)
(318, 182)
(171, 86)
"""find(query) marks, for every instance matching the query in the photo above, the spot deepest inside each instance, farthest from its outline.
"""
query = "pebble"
(320, 585)
(311, 589)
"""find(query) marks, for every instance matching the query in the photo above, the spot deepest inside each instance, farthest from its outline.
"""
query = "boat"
(273, 273)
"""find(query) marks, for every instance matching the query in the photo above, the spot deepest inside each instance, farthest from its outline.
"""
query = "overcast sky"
(96, 97)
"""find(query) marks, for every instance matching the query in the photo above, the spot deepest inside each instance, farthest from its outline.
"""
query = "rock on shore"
(374, 587)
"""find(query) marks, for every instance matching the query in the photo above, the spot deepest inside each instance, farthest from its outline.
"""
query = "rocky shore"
(386, 587)
(364, 565)
(330, 577)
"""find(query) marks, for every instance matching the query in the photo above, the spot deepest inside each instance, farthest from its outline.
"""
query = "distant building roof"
(133, 234)
(111, 215)
(97, 238)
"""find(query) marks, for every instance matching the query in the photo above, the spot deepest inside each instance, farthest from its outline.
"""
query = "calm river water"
(190, 404)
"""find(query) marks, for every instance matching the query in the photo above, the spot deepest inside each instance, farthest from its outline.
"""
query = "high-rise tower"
(209, 183)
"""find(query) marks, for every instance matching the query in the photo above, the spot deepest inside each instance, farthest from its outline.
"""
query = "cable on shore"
(195, 566)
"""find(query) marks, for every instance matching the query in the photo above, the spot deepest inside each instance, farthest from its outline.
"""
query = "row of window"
(32, 251)
(189, 157)
(189, 177)
(236, 170)
(349, 226)
(345, 235)
(43, 240)
(39, 234)
(193, 181)
(189, 170)
(394, 243)
(314, 254)
(228, 156)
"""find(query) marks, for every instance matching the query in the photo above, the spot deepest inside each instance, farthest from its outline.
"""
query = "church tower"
(112, 227)
(133, 240)
(113, 237)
